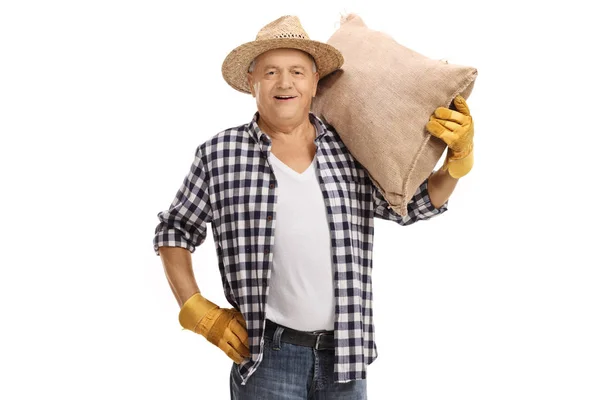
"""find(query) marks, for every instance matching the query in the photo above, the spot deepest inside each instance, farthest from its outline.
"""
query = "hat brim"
(235, 66)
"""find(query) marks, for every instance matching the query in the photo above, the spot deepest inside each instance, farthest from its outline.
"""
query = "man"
(292, 215)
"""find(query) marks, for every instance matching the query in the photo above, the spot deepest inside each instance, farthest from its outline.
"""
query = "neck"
(287, 131)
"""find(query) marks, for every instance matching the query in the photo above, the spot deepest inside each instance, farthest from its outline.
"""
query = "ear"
(316, 84)
(251, 83)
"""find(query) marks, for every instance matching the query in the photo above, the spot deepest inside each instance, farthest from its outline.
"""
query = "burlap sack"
(380, 101)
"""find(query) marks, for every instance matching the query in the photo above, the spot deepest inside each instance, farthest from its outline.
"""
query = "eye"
(297, 72)
(271, 73)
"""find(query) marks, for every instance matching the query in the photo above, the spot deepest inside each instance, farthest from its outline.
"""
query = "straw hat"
(284, 32)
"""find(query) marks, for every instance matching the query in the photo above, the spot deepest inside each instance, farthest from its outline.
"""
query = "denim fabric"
(291, 372)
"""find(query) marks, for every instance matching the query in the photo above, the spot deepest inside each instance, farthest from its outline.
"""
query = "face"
(287, 73)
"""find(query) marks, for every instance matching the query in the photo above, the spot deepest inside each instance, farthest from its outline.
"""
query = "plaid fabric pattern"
(232, 186)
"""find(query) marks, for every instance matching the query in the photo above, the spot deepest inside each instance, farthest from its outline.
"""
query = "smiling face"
(283, 83)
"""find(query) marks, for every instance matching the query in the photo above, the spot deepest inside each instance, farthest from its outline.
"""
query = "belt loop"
(318, 342)
(277, 338)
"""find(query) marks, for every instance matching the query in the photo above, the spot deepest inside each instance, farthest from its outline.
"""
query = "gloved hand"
(456, 129)
(223, 327)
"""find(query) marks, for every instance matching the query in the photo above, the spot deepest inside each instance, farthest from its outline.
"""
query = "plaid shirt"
(231, 185)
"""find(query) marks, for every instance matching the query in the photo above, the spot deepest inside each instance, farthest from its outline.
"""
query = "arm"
(441, 186)
(181, 229)
(177, 263)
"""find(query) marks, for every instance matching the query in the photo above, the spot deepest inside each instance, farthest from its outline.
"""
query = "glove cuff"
(193, 310)
(457, 168)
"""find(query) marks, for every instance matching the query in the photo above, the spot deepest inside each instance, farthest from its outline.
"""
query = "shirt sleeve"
(419, 207)
(184, 224)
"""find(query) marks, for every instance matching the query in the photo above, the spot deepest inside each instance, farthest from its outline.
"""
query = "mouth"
(284, 98)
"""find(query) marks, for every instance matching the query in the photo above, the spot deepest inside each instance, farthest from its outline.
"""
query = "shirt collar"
(319, 125)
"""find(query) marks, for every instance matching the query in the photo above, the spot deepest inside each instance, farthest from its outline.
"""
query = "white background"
(102, 105)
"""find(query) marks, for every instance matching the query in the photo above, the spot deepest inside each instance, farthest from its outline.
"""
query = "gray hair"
(314, 65)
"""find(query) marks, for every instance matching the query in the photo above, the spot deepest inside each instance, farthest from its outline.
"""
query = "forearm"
(177, 263)
(440, 187)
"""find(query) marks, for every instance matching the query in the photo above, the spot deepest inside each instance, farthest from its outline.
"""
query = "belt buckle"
(318, 344)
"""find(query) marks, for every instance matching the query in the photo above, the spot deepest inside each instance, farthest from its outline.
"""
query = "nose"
(285, 80)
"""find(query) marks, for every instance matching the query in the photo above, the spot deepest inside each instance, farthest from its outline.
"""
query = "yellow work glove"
(223, 327)
(455, 128)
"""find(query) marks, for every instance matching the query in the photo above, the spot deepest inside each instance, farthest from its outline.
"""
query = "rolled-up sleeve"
(184, 224)
(419, 207)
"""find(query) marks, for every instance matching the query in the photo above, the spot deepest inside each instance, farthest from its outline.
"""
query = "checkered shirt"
(232, 185)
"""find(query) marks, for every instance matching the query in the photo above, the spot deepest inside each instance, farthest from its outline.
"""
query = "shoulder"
(338, 147)
(218, 144)
(333, 135)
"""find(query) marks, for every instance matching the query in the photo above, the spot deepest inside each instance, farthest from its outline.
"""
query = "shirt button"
(269, 218)
(266, 251)
(272, 185)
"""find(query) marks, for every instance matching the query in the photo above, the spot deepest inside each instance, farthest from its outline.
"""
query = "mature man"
(292, 215)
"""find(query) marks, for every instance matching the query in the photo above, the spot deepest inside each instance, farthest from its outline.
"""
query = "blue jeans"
(291, 372)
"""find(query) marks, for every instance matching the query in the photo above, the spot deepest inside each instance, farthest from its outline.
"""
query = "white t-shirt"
(301, 293)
